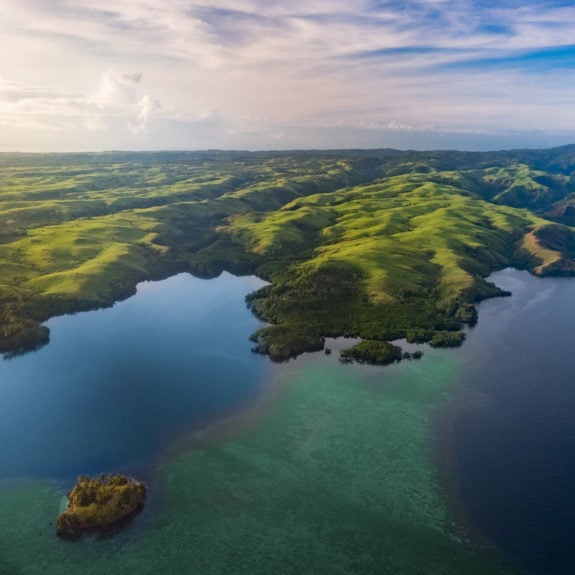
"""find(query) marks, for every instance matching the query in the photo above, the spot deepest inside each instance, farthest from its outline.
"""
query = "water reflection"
(115, 385)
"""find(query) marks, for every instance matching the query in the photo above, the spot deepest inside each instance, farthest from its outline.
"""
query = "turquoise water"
(330, 472)
(306, 467)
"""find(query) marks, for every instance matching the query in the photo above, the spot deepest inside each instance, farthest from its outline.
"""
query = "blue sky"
(261, 74)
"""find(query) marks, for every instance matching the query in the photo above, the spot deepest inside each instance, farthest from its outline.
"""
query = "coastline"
(296, 450)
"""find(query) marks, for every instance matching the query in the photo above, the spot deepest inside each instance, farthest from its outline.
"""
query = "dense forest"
(374, 244)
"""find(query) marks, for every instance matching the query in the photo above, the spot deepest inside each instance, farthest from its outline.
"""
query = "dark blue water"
(514, 425)
(115, 386)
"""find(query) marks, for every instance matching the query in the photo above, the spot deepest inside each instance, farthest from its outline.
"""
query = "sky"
(90, 75)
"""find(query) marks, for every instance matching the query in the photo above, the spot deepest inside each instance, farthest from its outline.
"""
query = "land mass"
(370, 244)
(100, 505)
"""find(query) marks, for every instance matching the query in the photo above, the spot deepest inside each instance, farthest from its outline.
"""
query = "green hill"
(376, 244)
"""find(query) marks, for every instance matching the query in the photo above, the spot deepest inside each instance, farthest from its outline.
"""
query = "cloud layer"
(147, 74)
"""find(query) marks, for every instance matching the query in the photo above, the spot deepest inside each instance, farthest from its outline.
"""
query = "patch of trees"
(330, 301)
(18, 333)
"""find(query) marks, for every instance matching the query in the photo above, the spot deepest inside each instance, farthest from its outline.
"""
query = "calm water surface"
(115, 386)
(344, 451)
(514, 422)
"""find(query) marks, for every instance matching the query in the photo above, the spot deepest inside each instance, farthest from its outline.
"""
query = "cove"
(115, 386)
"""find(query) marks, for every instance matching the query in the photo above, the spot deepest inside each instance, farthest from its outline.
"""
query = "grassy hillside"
(374, 244)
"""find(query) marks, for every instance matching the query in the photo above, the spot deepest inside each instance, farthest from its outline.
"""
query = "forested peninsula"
(371, 244)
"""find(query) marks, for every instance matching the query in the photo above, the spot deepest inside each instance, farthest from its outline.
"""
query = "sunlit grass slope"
(376, 244)
(405, 257)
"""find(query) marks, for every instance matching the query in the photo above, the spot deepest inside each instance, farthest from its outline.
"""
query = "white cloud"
(299, 65)
(114, 104)
(117, 90)
(144, 109)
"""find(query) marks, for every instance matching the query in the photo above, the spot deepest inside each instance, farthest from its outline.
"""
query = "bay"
(115, 386)
(325, 468)
(321, 468)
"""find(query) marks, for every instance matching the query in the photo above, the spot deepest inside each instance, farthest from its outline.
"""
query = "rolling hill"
(375, 244)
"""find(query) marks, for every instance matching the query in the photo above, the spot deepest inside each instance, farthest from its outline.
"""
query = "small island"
(376, 353)
(373, 352)
(100, 505)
